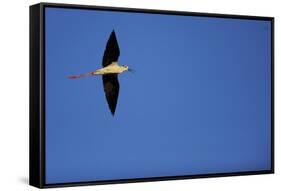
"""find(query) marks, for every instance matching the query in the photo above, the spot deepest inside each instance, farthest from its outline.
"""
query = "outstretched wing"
(111, 89)
(112, 51)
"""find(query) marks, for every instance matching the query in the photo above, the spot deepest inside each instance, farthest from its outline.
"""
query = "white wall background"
(14, 92)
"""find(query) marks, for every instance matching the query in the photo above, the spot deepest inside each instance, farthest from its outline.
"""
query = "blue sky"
(198, 103)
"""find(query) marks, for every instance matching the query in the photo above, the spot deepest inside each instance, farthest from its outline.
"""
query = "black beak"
(131, 70)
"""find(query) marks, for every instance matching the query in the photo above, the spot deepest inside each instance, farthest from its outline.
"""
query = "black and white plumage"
(110, 81)
(109, 72)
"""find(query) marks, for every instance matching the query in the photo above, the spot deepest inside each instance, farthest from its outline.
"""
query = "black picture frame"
(37, 94)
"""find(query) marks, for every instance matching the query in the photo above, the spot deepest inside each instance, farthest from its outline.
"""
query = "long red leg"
(81, 75)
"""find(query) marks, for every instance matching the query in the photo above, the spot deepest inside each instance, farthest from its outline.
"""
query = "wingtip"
(113, 32)
(112, 113)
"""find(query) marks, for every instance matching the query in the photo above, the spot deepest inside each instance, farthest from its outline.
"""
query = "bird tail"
(81, 75)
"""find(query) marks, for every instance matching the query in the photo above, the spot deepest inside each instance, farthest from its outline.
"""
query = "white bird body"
(113, 68)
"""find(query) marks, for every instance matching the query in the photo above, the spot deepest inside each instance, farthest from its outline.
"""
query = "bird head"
(126, 68)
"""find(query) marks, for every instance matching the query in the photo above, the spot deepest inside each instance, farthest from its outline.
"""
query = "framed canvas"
(128, 95)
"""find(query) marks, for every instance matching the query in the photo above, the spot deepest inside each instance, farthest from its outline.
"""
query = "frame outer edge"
(34, 97)
(273, 95)
(42, 169)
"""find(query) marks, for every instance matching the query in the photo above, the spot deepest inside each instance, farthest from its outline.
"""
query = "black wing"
(112, 51)
(111, 89)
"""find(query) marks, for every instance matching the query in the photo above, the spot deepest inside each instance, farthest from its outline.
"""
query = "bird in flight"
(109, 71)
